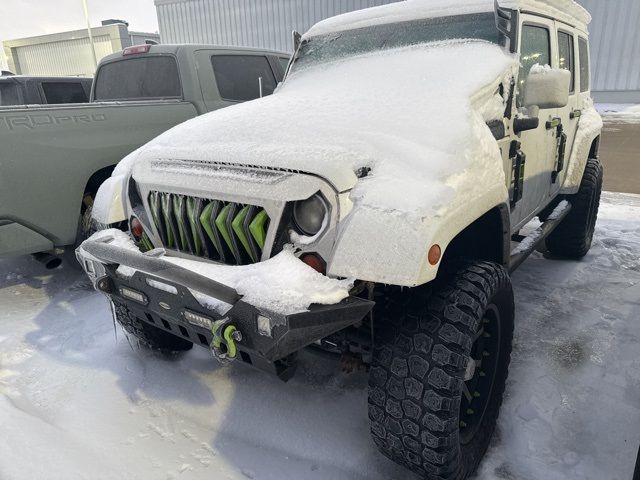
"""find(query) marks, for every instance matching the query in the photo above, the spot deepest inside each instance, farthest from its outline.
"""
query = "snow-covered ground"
(619, 113)
(77, 403)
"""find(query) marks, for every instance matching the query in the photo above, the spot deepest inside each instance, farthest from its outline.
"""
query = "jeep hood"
(415, 116)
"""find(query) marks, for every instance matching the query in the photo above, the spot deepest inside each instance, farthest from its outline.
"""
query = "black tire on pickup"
(573, 237)
(429, 409)
(86, 228)
(147, 335)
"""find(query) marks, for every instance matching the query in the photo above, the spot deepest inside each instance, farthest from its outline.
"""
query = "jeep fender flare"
(385, 247)
(585, 145)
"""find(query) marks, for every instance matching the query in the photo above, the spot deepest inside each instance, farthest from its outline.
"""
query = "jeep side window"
(238, 76)
(584, 65)
(567, 61)
(536, 48)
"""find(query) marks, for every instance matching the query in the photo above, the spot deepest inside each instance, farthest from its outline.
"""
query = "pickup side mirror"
(547, 87)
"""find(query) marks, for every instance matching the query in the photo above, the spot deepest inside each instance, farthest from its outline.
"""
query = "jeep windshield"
(333, 46)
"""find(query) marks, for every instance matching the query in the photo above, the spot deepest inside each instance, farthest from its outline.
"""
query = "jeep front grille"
(229, 232)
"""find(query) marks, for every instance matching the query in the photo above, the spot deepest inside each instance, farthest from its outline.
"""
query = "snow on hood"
(406, 113)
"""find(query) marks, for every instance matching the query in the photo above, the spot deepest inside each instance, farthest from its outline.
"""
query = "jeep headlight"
(309, 215)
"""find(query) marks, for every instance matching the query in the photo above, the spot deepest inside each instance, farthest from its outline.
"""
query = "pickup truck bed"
(49, 151)
(54, 158)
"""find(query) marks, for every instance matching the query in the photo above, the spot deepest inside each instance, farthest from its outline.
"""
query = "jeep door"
(537, 46)
(567, 118)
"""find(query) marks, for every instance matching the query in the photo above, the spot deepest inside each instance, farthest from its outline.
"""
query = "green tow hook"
(224, 340)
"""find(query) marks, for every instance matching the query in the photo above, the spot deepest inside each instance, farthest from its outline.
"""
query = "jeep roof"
(565, 10)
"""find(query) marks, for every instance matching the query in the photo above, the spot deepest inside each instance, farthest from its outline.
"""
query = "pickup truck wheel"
(573, 237)
(439, 368)
(86, 228)
(147, 335)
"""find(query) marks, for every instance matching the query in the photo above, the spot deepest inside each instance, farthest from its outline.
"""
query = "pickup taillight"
(136, 50)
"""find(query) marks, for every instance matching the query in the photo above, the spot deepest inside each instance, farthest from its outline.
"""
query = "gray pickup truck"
(23, 90)
(54, 158)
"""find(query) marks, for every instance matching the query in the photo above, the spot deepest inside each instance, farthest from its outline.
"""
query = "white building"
(69, 53)
(615, 39)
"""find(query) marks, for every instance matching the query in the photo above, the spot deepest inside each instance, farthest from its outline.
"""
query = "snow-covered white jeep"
(373, 207)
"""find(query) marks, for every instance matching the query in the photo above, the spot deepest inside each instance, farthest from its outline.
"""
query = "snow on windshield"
(406, 113)
(336, 45)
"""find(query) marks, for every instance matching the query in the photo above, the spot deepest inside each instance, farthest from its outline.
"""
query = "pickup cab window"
(238, 76)
(64, 92)
(9, 94)
(138, 78)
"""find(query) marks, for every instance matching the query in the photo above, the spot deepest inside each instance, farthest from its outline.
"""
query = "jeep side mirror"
(547, 87)
(296, 40)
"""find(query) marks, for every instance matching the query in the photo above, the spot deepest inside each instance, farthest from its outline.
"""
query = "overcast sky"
(25, 18)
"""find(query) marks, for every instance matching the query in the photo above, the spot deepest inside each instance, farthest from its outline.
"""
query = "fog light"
(314, 261)
(264, 326)
(165, 287)
(136, 227)
(197, 319)
(134, 295)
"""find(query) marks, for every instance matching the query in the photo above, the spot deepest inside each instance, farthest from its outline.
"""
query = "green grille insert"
(145, 243)
(228, 232)
(179, 211)
(221, 223)
(238, 228)
(258, 228)
(193, 205)
(207, 220)
(168, 230)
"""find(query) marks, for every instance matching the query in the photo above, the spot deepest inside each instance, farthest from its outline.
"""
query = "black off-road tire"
(573, 237)
(147, 335)
(424, 339)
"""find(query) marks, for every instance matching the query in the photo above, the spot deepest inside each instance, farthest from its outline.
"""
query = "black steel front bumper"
(268, 349)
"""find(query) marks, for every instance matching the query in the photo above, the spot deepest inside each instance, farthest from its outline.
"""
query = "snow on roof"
(415, 9)
(399, 12)
(404, 112)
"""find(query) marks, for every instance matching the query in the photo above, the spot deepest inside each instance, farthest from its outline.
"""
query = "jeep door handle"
(575, 114)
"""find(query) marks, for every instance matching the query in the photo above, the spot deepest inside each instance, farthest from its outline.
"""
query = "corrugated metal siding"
(615, 44)
(251, 23)
(140, 38)
(68, 57)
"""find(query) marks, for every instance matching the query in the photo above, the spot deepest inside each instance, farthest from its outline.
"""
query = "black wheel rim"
(480, 375)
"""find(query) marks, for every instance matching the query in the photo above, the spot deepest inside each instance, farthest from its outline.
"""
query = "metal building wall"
(254, 23)
(68, 57)
(615, 49)
(68, 53)
(139, 38)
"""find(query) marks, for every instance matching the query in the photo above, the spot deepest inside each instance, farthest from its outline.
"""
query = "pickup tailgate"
(47, 155)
